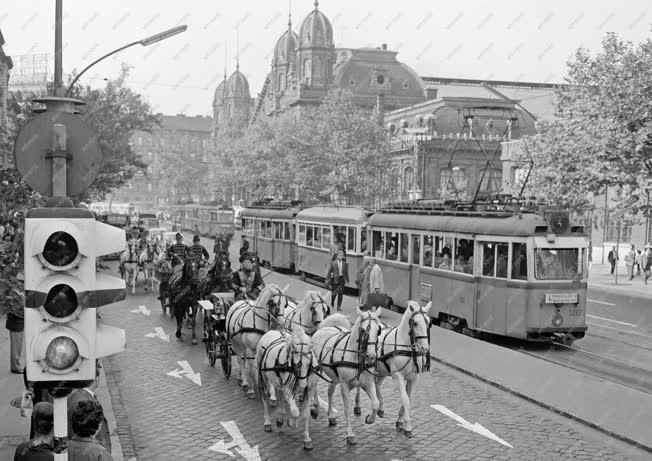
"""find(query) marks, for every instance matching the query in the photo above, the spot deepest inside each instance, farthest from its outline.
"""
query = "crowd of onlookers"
(637, 262)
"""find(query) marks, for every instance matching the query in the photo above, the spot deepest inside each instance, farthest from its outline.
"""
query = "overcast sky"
(524, 40)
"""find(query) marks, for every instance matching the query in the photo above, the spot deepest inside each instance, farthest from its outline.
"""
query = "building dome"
(218, 98)
(316, 30)
(237, 86)
(286, 46)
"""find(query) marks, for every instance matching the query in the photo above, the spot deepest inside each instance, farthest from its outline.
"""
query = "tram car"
(323, 229)
(502, 268)
(206, 220)
(271, 230)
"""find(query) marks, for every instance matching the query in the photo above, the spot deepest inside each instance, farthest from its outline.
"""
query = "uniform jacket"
(238, 281)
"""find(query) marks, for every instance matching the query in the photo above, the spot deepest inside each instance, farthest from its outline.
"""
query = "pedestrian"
(88, 393)
(363, 278)
(244, 246)
(639, 264)
(336, 278)
(13, 298)
(647, 265)
(612, 257)
(39, 448)
(87, 417)
(630, 260)
(376, 281)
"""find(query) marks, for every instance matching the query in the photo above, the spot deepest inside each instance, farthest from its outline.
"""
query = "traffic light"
(63, 337)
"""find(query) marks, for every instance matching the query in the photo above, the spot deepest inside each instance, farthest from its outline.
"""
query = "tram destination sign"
(561, 298)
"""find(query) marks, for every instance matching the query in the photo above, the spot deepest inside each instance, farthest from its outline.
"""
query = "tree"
(601, 132)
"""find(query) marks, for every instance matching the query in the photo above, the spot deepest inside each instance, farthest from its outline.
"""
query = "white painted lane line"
(477, 428)
(601, 302)
(611, 320)
(143, 310)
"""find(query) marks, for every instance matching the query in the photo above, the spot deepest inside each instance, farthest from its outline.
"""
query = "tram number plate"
(576, 312)
(561, 298)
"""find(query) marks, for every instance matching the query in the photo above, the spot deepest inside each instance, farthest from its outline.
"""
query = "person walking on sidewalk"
(630, 260)
(612, 257)
(639, 262)
(647, 263)
(362, 280)
(88, 393)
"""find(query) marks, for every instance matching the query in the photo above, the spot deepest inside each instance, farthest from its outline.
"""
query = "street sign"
(34, 144)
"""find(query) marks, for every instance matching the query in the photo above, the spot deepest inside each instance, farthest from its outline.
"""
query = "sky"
(526, 40)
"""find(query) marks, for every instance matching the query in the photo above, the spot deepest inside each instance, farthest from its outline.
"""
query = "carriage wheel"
(210, 348)
(225, 357)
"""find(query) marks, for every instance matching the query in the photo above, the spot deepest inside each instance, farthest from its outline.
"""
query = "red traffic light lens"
(60, 249)
(62, 353)
(61, 301)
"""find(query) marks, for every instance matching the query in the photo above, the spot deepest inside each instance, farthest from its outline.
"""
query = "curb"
(544, 405)
(105, 400)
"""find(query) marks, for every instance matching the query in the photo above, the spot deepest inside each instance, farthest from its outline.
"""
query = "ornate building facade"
(232, 100)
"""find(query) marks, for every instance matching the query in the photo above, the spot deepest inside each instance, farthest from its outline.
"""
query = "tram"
(271, 229)
(500, 268)
(321, 229)
(206, 220)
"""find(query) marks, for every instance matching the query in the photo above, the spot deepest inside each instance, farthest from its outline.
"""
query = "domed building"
(232, 99)
(306, 66)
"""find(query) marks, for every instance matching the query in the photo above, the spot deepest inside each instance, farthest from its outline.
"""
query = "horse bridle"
(363, 339)
(296, 367)
(413, 340)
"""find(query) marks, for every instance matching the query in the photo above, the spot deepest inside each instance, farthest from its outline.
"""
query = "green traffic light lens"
(61, 301)
(62, 353)
(60, 249)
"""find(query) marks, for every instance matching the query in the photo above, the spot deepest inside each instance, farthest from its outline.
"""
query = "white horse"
(347, 358)
(403, 352)
(285, 361)
(129, 265)
(146, 264)
(308, 314)
(247, 321)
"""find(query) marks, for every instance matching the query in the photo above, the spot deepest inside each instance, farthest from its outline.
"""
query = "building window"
(306, 67)
(450, 177)
(408, 179)
(149, 187)
(492, 181)
(625, 228)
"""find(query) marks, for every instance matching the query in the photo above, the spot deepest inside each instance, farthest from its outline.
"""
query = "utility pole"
(605, 229)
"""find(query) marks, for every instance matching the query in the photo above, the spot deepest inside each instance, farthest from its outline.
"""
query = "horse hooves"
(307, 445)
(268, 428)
(408, 434)
(279, 423)
(273, 403)
(357, 411)
(332, 422)
(350, 440)
(380, 413)
(368, 419)
(291, 422)
(400, 426)
(314, 413)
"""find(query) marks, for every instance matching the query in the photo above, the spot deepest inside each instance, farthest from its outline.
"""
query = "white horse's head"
(368, 328)
(277, 301)
(319, 308)
(419, 325)
(301, 355)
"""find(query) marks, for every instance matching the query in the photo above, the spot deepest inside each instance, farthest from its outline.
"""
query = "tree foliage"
(601, 132)
(330, 152)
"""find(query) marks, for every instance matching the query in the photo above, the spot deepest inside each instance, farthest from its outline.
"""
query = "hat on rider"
(178, 236)
(195, 238)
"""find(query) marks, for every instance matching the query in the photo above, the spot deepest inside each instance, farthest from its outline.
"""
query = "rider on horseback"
(197, 253)
(178, 249)
(247, 282)
(163, 269)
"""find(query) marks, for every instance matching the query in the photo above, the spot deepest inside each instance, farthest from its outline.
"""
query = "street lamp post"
(648, 164)
(144, 42)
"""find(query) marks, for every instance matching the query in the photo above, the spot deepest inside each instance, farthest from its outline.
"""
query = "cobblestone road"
(162, 417)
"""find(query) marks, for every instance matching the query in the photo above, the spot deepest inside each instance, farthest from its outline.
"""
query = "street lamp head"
(163, 35)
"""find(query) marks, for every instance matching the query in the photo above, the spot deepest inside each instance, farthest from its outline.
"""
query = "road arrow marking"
(477, 428)
(190, 374)
(237, 441)
(143, 310)
(160, 333)
(176, 373)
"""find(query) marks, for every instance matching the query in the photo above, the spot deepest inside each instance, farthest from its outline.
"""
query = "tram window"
(326, 237)
(428, 249)
(363, 240)
(351, 240)
(437, 248)
(286, 231)
(278, 230)
(391, 246)
(339, 235)
(463, 255)
(403, 247)
(502, 253)
(317, 241)
(519, 261)
(302, 234)
(557, 263)
(416, 242)
(309, 241)
(378, 245)
(488, 258)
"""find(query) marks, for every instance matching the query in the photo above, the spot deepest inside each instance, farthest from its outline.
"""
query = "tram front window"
(557, 263)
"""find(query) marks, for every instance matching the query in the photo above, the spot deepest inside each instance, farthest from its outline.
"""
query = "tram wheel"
(567, 339)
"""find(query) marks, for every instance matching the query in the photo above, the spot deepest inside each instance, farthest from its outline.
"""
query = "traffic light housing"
(63, 337)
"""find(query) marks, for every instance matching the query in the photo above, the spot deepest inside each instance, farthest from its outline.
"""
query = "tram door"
(491, 297)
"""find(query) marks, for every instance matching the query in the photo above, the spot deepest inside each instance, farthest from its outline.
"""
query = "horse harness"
(299, 312)
(284, 366)
(409, 350)
(240, 316)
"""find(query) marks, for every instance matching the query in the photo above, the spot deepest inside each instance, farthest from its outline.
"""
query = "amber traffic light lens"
(60, 249)
(61, 301)
(62, 353)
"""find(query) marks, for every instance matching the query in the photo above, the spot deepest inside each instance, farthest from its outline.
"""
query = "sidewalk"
(14, 429)
(600, 278)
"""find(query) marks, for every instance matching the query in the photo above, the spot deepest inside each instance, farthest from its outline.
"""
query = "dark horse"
(184, 293)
